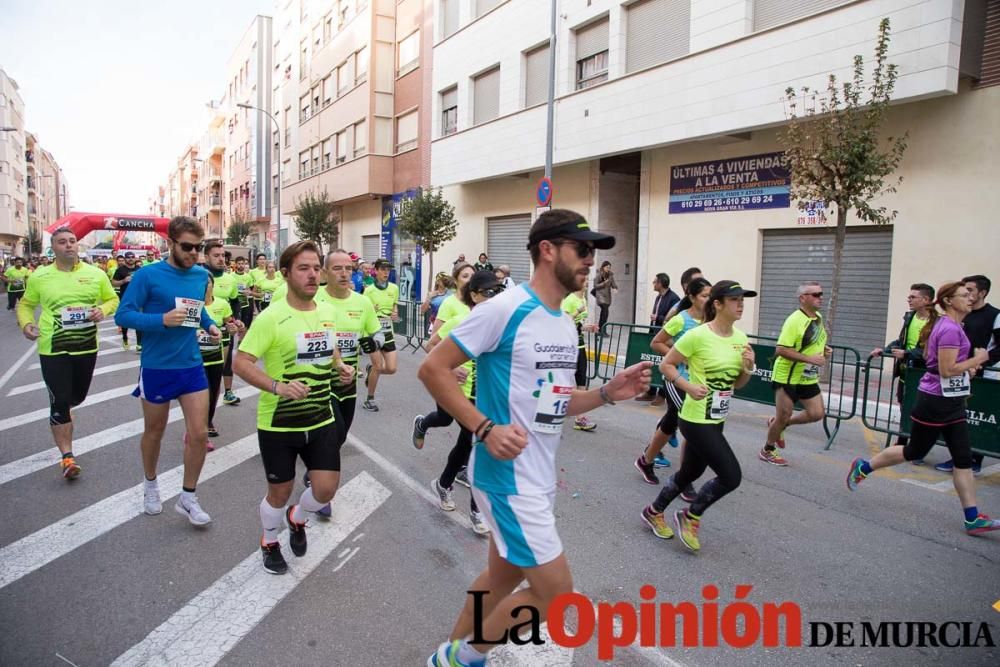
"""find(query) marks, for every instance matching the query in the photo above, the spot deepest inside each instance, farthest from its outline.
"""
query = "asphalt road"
(86, 579)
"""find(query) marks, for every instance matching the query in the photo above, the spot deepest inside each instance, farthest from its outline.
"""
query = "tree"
(316, 219)
(239, 229)
(430, 220)
(835, 151)
(32, 243)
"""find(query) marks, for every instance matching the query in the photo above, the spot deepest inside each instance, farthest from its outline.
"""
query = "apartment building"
(352, 79)
(652, 93)
(13, 186)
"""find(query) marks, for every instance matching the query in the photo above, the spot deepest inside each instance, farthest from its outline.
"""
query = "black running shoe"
(646, 470)
(274, 562)
(296, 534)
(212, 432)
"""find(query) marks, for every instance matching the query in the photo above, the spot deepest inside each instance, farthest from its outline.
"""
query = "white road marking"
(17, 365)
(210, 625)
(34, 551)
(104, 370)
(947, 484)
(100, 353)
(349, 557)
(41, 460)
(43, 413)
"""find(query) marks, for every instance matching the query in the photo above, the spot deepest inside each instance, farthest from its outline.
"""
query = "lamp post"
(277, 199)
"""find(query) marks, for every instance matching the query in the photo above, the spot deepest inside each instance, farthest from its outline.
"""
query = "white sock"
(270, 520)
(468, 654)
(187, 497)
(151, 483)
(307, 503)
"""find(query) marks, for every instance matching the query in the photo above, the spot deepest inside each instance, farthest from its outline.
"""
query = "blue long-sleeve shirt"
(153, 291)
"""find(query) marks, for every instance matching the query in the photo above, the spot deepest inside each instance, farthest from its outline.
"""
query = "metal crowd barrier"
(412, 326)
(618, 345)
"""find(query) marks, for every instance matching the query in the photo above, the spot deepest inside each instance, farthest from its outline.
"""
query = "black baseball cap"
(725, 288)
(483, 280)
(560, 223)
(383, 264)
(130, 255)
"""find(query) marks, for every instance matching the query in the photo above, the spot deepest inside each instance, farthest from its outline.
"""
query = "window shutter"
(449, 98)
(483, 6)
(487, 96)
(770, 13)
(592, 39)
(449, 13)
(656, 31)
(536, 76)
(406, 129)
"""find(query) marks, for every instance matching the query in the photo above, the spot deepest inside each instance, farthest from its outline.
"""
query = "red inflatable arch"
(84, 223)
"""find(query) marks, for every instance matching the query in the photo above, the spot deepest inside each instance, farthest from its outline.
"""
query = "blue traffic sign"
(543, 193)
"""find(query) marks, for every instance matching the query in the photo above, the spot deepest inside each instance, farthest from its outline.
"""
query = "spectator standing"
(603, 287)
(483, 264)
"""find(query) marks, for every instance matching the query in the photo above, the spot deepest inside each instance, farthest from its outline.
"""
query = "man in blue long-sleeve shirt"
(165, 301)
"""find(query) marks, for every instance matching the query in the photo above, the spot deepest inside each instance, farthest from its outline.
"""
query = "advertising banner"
(734, 184)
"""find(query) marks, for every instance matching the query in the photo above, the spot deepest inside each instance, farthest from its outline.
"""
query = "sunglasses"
(190, 247)
(583, 250)
(491, 292)
(815, 294)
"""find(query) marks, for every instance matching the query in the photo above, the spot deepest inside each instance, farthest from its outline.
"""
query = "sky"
(116, 89)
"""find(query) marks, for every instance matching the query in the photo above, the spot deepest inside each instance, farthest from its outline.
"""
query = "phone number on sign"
(728, 201)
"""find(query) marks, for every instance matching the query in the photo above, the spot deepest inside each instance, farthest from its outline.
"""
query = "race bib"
(313, 346)
(242, 289)
(956, 387)
(267, 297)
(205, 341)
(550, 411)
(347, 343)
(386, 323)
(75, 317)
(192, 311)
(16, 285)
(810, 372)
(720, 404)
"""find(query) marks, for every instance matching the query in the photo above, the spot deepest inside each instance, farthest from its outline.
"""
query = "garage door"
(794, 256)
(506, 239)
(370, 247)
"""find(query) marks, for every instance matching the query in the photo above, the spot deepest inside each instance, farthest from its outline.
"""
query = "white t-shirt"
(525, 361)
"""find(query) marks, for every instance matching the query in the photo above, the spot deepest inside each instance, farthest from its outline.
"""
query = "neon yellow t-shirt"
(807, 336)
(225, 286)
(294, 345)
(212, 355)
(66, 298)
(354, 319)
(714, 362)
(384, 301)
(17, 277)
(576, 308)
(451, 308)
(282, 291)
(256, 274)
(243, 285)
(913, 332)
(469, 386)
(268, 286)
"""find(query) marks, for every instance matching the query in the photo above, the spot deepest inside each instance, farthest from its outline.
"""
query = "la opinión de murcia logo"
(709, 624)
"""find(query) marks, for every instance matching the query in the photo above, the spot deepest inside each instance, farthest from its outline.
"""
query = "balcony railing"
(215, 200)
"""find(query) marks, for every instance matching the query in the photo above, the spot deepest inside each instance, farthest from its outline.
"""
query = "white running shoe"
(151, 504)
(479, 526)
(445, 501)
(193, 511)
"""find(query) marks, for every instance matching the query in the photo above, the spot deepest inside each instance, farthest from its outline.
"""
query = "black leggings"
(138, 336)
(13, 298)
(935, 416)
(214, 375)
(227, 365)
(707, 447)
(343, 415)
(603, 317)
(246, 315)
(68, 380)
(458, 458)
(675, 399)
(438, 418)
(581, 367)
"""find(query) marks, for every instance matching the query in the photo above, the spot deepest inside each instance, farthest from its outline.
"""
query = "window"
(303, 58)
(658, 31)
(326, 153)
(360, 138)
(304, 108)
(343, 12)
(592, 54)
(327, 28)
(288, 130)
(317, 93)
(286, 169)
(406, 131)
(317, 35)
(246, 155)
(409, 53)
(361, 66)
(771, 13)
(327, 90)
(449, 111)
(486, 96)
(303, 164)
(345, 76)
(342, 147)
(483, 6)
(449, 17)
(536, 76)
(314, 155)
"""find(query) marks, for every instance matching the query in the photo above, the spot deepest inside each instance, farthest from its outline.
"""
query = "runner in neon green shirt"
(296, 339)
(243, 286)
(801, 352)
(214, 355)
(225, 290)
(384, 296)
(719, 360)
(452, 306)
(265, 285)
(74, 297)
(575, 305)
(16, 279)
(256, 273)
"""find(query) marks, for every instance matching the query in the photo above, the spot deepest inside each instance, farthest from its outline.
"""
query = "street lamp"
(277, 128)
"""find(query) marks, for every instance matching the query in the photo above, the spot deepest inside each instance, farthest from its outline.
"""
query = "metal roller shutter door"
(769, 13)
(370, 247)
(506, 239)
(794, 256)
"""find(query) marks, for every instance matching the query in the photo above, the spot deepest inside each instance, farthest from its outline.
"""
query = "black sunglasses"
(815, 294)
(583, 250)
(491, 292)
(190, 247)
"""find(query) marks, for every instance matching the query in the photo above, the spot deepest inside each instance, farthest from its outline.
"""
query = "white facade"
(13, 188)
(731, 81)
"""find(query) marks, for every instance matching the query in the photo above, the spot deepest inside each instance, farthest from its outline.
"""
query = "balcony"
(214, 176)
(29, 157)
(31, 183)
(215, 203)
(217, 141)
